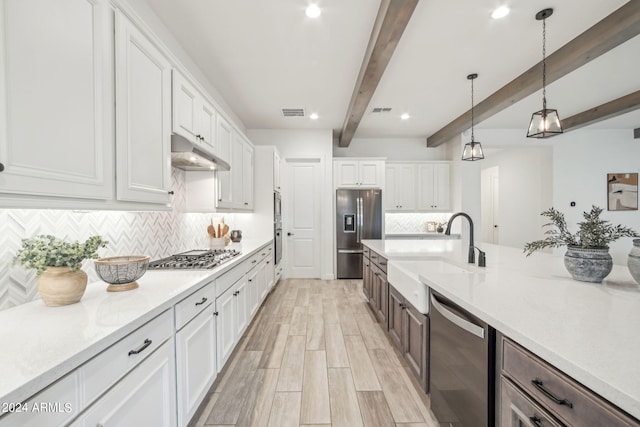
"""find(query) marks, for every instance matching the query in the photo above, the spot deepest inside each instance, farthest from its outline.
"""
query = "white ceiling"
(266, 55)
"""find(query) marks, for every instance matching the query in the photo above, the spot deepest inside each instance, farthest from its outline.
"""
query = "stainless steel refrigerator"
(358, 216)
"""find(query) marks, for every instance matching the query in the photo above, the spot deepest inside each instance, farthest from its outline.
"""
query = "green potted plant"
(57, 264)
(587, 258)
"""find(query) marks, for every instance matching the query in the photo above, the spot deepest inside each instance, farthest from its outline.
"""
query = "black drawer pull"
(202, 301)
(140, 349)
(536, 421)
(537, 383)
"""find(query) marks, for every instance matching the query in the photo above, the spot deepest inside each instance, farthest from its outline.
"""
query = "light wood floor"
(315, 356)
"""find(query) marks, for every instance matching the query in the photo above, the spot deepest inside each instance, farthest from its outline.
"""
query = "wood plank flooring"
(315, 356)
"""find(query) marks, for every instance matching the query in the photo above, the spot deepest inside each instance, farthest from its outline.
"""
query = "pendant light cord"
(472, 139)
(544, 65)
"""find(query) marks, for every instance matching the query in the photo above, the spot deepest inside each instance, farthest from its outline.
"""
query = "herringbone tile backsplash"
(156, 234)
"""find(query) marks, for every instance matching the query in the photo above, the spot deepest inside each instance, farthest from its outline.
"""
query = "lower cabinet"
(145, 397)
(196, 362)
(409, 331)
(536, 393)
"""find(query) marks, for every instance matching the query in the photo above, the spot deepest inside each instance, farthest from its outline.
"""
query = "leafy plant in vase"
(57, 264)
(587, 258)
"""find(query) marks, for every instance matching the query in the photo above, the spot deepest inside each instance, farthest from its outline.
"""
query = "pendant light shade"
(546, 122)
(472, 150)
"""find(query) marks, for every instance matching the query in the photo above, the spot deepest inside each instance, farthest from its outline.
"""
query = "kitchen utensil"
(121, 272)
(236, 235)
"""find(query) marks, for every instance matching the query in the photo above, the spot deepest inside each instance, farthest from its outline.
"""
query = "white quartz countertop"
(589, 331)
(40, 344)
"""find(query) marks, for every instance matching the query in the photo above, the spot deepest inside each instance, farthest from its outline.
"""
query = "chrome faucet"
(472, 251)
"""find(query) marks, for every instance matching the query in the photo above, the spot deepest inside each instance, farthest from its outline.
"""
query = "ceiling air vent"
(293, 112)
(381, 110)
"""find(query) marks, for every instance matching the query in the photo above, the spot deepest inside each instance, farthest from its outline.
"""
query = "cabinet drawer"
(516, 409)
(569, 401)
(105, 369)
(227, 280)
(189, 307)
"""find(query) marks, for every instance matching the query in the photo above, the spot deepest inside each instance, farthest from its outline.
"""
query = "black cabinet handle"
(537, 383)
(202, 301)
(536, 421)
(1, 167)
(140, 349)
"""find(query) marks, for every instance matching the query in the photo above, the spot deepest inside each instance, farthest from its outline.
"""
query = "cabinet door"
(185, 107)
(237, 149)
(226, 325)
(145, 397)
(56, 87)
(242, 306)
(143, 116)
(406, 190)
(517, 410)
(207, 124)
(223, 150)
(346, 173)
(247, 175)
(391, 188)
(276, 171)
(395, 314)
(369, 172)
(441, 188)
(196, 362)
(253, 291)
(416, 342)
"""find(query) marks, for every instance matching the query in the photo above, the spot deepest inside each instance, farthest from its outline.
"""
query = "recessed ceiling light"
(313, 116)
(313, 11)
(405, 116)
(500, 12)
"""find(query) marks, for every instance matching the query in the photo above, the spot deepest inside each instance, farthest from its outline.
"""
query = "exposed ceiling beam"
(636, 133)
(615, 29)
(605, 111)
(393, 17)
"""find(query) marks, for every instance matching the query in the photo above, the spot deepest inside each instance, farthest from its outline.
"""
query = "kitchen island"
(588, 331)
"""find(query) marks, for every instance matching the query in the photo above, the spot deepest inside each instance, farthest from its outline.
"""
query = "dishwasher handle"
(457, 320)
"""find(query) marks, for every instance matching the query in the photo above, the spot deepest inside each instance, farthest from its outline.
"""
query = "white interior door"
(301, 222)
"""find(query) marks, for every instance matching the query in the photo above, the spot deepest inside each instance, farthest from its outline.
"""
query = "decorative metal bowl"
(121, 272)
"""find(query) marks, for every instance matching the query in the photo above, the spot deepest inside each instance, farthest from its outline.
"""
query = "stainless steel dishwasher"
(462, 366)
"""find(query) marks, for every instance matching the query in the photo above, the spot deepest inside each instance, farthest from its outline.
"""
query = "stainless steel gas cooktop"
(199, 259)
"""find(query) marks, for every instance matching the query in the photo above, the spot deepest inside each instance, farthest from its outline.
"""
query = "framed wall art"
(622, 191)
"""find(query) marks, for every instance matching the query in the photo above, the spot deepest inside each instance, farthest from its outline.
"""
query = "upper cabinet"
(434, 187)
(143, 116)
(400, 187)
(358, 173)
(56, 99)
(194, 118)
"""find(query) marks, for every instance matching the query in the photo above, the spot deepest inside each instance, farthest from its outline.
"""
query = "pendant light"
(472, 150)
(546, 122)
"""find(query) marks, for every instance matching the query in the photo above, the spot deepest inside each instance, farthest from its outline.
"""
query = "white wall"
(392, 149)
(294, 144)
(581, 161)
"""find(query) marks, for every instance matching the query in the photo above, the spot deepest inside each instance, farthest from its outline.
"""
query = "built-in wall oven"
(277, 227)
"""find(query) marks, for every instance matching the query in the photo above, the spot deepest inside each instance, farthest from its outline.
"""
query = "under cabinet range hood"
(186, 155)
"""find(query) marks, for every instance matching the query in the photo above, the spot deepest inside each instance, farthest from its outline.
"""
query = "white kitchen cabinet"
(194, 118)
(143, 116)
(224, 133)
(400, 187)
(145, 397)
(196, 362)
(56, 99)
(433, 187)
(358, 173)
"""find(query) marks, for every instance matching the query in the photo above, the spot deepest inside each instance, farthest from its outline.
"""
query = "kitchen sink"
(404, 276)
